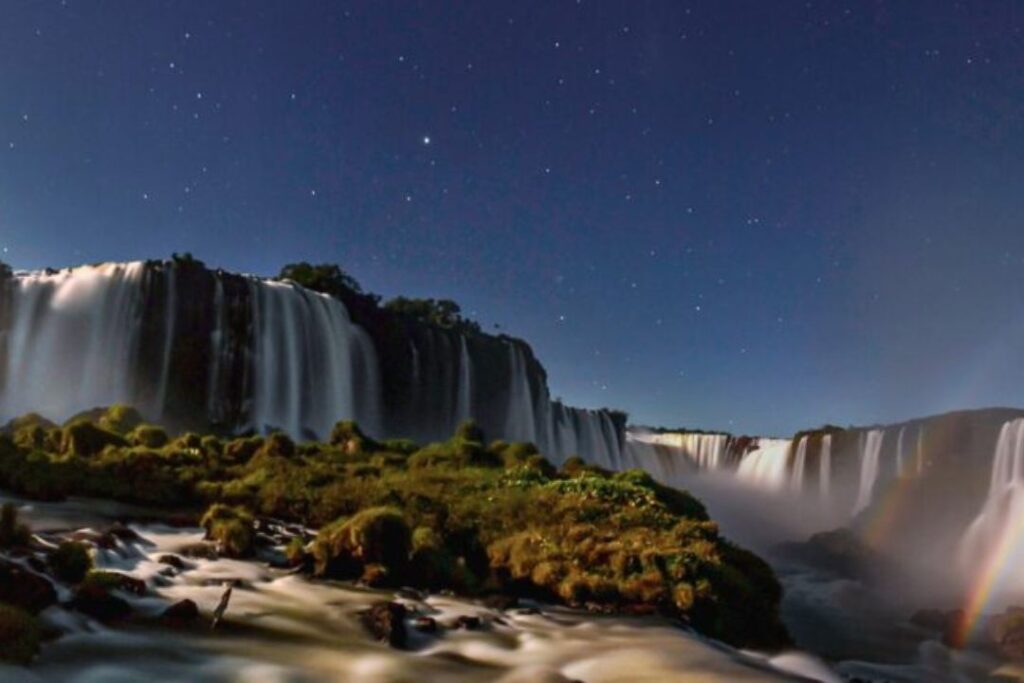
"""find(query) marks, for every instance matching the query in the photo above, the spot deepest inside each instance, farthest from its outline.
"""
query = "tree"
(326, 278)
(443, 313)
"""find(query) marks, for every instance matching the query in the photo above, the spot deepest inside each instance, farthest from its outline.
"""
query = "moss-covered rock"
(84, 438)
(70, 561)
(233, 529)
(374, 536)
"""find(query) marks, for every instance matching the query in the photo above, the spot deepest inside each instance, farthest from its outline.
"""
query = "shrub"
(19, 635)
(71, 561)
(232, 528)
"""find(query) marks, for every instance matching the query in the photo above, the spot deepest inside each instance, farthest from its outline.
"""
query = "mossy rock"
(374, 536)
(233, 529)
(71, 561)
(85, 439)
(149, 436)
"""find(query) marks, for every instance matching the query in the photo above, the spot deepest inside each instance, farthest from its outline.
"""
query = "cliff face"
(193, 347)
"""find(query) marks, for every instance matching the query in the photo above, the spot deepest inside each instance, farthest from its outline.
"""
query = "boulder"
(24, 589)
(99, 603)
(180, 613)
(386, 622)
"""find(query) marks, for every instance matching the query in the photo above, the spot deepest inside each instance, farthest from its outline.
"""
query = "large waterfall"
(196, 348)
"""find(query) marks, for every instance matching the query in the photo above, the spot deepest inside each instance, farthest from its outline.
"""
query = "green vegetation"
(443, 313)
(326, 278)
(461, 514)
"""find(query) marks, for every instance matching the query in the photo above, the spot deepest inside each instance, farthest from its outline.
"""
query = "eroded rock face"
(25, 589)
(386, 622)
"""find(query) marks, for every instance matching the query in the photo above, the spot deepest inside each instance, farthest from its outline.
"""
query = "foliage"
(443, 313)
(326, 278)
(455, 514)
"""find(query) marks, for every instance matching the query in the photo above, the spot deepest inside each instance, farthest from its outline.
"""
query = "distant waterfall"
(997, 527)
(799, 463)
(871, 449)
(195, 348)
(825, 467)
(899, 452)
(464, 406)
(73, 337)
(766, 466)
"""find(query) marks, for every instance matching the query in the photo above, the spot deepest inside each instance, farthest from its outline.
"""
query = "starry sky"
(755, 216)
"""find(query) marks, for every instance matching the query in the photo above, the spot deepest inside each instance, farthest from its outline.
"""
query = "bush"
(71, 561)
(19, 635)
(232, 528)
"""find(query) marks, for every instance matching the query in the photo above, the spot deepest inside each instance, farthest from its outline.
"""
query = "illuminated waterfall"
(766, 466)
(799, 463)
(72, 340)
(871, 449)
(825, 467)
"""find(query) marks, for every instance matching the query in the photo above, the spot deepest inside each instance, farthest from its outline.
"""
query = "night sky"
(757, 216)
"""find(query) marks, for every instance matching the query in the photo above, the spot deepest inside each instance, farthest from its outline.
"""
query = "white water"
(464, 407)
(871, 449)
(766, 466)
(284, 628)
(825, 464)
(996, 531)
(799, 464)
(706, 451)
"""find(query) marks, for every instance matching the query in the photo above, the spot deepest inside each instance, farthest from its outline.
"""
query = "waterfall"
(464, 405)
(800, 461)
(706, 451)
(73, 340)
(871, 449)
(170, 311)
(899, 452)
(307, 356)
(920, 449)
(825, 464)
(996, 529)
(765, 466)
(519, 419)
(193, 347)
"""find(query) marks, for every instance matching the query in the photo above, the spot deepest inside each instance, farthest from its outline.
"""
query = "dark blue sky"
(756, 216)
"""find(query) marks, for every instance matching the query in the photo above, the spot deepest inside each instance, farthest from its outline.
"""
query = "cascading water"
(72, 340)
(996, 531)
(192, 348)
(871, 449)
(899, 451)
(799, 463)
(464, 409)
(765, 467)
(825, 467)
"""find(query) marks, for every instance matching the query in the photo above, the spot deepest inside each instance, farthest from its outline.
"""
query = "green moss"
(71, 561)
(19, 635)
(149, 436)
(233, 529)
(84, 438)
(378, 535)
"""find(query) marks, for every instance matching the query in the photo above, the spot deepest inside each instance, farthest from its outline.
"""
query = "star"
(426, 139)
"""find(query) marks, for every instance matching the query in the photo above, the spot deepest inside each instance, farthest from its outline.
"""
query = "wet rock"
(183, 612)
(172, 561)
(201, 551)
(425, 624)
(386, 622)
(501, 601)
(97, 602)
(123, 533)
(470, 623)
(24, 589)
